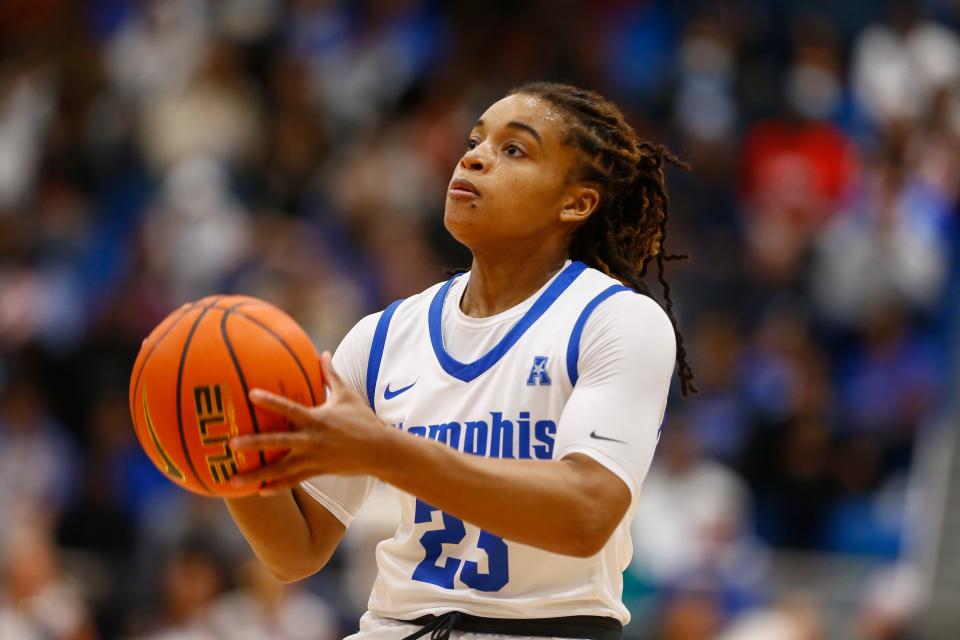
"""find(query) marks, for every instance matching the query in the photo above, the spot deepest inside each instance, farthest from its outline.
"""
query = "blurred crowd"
(155, 152)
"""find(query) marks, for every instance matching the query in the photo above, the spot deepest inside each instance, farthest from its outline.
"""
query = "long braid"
(629, 227)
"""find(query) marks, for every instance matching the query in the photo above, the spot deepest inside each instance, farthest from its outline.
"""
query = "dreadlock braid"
(629, 227)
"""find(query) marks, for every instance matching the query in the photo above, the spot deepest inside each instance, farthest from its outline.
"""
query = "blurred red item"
(794, 167)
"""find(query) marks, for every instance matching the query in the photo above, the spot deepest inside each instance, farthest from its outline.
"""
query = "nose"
(475, 160)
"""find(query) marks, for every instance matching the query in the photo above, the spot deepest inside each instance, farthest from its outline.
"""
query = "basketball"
(190, 384)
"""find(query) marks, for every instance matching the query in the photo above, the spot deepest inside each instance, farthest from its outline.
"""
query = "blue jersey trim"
(573, 347)
(468, 371)
(376, 352)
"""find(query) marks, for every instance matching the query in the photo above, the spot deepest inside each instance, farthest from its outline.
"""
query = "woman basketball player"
(516, 407)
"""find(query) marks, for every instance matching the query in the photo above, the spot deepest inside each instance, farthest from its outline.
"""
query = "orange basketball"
(190, 383)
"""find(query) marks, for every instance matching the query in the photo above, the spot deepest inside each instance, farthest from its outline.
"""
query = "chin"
(461, 222)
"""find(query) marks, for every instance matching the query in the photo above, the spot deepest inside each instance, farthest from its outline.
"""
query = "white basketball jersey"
(507, 403)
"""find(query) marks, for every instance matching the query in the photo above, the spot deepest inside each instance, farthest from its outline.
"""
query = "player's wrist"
(379, 450)
(388, 453)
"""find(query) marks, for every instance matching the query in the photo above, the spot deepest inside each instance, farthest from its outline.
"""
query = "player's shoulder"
(625, 313)
(363, 330)
(618, 301)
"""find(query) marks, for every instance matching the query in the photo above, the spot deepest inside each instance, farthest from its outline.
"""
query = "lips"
(460, 188)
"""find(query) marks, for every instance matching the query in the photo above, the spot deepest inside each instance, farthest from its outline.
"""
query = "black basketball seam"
(279, 338)
(243, 380)
(183, 312)
(150, 353)
(246, 303)
(183, 361)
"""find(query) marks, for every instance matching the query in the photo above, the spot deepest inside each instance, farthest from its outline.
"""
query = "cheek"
(526, 199)
(520, 182)
(516, 201)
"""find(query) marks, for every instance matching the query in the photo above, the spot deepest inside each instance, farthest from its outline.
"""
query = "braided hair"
(629, 227)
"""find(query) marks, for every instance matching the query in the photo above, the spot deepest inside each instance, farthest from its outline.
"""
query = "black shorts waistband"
(583, 627)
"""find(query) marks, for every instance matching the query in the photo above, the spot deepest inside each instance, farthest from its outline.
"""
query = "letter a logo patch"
(538, 372)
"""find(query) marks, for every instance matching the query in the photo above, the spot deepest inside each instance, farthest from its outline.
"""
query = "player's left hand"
(340, 436)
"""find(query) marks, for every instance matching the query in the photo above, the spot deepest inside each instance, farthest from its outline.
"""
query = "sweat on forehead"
(533, 110)
(533, 104)
(544, 107)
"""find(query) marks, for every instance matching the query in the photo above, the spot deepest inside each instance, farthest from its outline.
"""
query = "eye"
(514, 151)
(472, 143)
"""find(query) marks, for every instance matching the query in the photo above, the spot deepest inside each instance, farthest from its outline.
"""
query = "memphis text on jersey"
(519, 436)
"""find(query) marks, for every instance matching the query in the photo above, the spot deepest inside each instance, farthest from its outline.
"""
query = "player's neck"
(497, 284)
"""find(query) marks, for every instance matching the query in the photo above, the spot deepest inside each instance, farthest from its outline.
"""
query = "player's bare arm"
(290, 532)
(568, 506)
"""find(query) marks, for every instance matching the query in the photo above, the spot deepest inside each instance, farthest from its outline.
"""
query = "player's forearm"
(281, 536)
(546, 504)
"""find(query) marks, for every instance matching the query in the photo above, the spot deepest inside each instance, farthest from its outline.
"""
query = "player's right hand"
(342, 436)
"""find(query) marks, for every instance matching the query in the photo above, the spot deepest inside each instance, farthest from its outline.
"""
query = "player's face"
(511, 185)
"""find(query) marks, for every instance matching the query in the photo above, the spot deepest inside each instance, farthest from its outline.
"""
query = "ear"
(580, 201)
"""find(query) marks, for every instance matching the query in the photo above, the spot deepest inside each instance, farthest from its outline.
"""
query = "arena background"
(155, 152)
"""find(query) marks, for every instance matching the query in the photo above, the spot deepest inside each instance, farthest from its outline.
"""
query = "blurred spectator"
(247, 21)
(867, 516)
(898, 67)
(890, 381)
(792, 618)
(38, 600)
(26, 104)
(705, 106)
(214, 116)
(263, 607)
(795, 172)
(797, 167)
(40, 303)
(381, 170)
(702, 538)
(37, 463)
(718, 419)
(98, 528)
(788, 375)
(121, 482)
(888, 249)
(691, 616)
(295, 143)
(795, 487)
(191, 580)
(361, 67)
(199, 232)
(890, 604)
(156, 50)
(176, 519)
(638, 46)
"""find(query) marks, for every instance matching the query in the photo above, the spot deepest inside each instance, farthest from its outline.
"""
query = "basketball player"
(516, 407)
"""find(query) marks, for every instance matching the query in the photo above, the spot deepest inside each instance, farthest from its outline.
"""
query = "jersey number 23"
(453, 532)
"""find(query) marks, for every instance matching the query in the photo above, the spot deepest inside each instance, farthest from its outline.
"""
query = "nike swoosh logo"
(388, 393)
(171, 469)
(593, 434)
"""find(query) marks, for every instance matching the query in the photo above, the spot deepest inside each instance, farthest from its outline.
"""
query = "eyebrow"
(513, 124)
